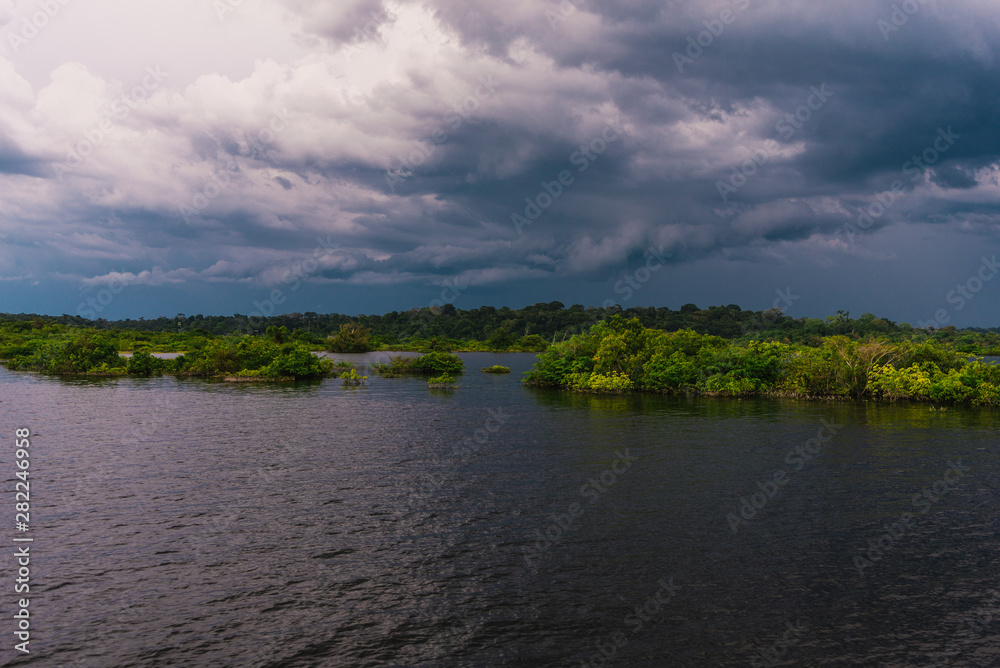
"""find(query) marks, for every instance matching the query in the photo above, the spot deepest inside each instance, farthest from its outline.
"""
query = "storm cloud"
(359, 155)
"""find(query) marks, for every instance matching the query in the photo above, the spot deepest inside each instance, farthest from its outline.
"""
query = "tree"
(279, 334)
(352, 338)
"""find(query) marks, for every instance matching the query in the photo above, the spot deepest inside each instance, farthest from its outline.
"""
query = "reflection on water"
(187, 522)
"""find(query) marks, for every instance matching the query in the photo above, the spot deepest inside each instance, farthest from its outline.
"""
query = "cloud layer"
(370, 151)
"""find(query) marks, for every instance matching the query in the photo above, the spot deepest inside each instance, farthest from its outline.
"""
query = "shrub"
(352, 379)
(429, 363)
(444, 380)
(438, 363)
(496, 368)
(611, 383)
(912, 382)
(352, 338)
(142, 364)
(298, 362)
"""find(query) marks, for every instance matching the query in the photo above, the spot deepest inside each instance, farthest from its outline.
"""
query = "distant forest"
(552, 322)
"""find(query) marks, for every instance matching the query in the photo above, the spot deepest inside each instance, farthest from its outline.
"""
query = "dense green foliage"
(446, 328)
(444, 380)
(425, 364)
(56, 349)
(721, 350)
(496, 368)
(352, 338)
(622, 355)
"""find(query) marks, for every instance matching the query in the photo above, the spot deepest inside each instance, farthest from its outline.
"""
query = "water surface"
(184, 522)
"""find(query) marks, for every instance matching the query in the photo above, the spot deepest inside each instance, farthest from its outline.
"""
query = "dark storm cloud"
(563, 140)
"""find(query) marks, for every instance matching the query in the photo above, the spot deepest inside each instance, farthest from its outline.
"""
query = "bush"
(298, 362)
(496, 368)
(610, 383)
(352, 338)
(352, 379)
(142, 364)
(438, 363)
(444, 380)
(425, 364)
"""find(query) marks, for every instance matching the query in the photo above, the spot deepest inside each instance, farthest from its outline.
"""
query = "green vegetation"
(444, 381)
(57, 349)
(724, 351)
(530, 329)
(622, 355)
(352, 338)
(496, 368)
(352, 379)
(425, 364)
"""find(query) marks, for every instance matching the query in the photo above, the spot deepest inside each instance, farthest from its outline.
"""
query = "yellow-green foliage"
(618, 356)
(612, 382)
(911, 382)
(352, 379)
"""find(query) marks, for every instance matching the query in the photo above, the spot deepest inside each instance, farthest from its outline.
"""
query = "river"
(183, 522)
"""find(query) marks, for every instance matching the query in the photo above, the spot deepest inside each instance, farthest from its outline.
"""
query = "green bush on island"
(621, 355)
(425, 364)
(496, 368)
(442, 381)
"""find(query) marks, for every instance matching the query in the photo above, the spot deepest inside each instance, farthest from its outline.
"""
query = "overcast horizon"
(364, 156)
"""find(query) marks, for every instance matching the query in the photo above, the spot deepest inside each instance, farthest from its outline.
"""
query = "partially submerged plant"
(352, 379)
(444, 381)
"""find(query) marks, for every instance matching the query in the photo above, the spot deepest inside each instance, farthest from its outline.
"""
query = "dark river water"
(194, 523)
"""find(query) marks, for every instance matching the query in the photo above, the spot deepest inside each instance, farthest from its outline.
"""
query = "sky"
(360, 156)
